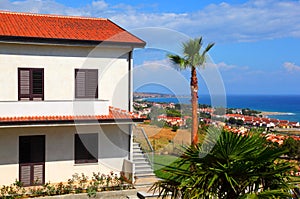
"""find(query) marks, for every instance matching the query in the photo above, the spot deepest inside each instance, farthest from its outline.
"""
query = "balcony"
(54, 108)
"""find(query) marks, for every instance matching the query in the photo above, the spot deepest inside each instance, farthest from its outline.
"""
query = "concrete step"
(145, 195)
(140, 170)
(141, 161)
(137, 149)
(132, 197)
(142, 166)
(138, 152)
(144, 183)
(145, 175)
(136, 144)
(138, 156)
(144, 172)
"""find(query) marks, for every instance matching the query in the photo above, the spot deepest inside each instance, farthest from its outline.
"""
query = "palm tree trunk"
(194, 94)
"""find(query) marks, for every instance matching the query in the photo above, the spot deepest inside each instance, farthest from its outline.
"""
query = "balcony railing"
(53, 108)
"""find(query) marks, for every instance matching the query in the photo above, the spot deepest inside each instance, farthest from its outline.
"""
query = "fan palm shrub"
(228, 166)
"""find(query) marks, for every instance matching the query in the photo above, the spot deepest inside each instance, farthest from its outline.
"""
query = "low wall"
(122, 194)
(129, 169)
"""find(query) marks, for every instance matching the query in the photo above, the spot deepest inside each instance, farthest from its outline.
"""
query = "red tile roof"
(26, 25)
(115, 114)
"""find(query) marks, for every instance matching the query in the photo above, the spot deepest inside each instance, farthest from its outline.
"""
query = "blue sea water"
(288, 104)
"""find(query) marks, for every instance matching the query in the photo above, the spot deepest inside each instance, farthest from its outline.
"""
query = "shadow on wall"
(59, 142)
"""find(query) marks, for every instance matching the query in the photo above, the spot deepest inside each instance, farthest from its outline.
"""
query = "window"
(31, 84)
(86, 148)
(86, 83)
(32, 160)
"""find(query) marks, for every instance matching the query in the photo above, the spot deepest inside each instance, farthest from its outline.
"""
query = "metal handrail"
(147, 139)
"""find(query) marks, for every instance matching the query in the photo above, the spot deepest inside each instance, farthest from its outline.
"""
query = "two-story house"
(65, 97)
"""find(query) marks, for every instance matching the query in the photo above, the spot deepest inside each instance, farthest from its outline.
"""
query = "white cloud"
(291, 67)
(101, 5)
(224, 22)
(157, 65)
(222, 66)
(166, 63)
(160, 73)
(38, 6)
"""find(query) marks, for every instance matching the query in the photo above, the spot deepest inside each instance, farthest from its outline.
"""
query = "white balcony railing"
(53, 108)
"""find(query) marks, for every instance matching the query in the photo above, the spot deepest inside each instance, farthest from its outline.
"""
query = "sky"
(257, 42)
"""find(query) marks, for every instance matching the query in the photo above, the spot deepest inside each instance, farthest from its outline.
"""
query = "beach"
(266, 113)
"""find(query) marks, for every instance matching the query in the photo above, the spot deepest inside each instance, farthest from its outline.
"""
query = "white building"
(65, 97)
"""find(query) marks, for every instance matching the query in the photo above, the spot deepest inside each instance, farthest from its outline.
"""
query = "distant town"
(237, 120)
(141, 95)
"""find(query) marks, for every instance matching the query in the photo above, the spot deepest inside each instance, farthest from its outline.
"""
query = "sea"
(288, 105)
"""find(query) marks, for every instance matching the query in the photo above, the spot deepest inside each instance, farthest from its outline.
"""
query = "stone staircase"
(143, 171)
(144, 175)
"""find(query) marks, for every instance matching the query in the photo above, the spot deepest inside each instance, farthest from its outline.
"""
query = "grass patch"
(160, 161)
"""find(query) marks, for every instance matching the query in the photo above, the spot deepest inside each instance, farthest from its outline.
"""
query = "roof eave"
(68, 42)
(70, 122)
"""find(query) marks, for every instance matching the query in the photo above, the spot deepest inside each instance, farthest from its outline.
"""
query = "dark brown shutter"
(37, 84)
(32, 160)
(38, 173)
(91, 84)
(24, 84)
(32, 173)
(86, 83)
(80, 84)
(31, 83)
(25, 174)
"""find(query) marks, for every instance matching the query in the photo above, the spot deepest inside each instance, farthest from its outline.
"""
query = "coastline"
(289, 108)
(263, 113)
(267, 113)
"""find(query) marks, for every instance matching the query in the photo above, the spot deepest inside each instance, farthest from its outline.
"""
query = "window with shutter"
(31, 83)
(86, 83)
(32, 160)
(86, 148)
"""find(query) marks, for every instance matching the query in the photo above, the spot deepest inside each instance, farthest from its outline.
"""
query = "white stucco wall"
(113, 149)
(59, 63)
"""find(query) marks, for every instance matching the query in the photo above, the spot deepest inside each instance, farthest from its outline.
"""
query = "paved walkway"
(143, 186)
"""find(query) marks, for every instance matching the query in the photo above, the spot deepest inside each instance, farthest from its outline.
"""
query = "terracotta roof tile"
(29, 25)
(114, 114)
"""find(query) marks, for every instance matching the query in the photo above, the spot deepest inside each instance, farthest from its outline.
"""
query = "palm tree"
(236, 167)
(192, 58)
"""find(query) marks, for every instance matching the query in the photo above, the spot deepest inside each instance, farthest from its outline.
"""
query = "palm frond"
(268, 194)
(176, 59)
(192, 47)
(208, 47)
(191, 54)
